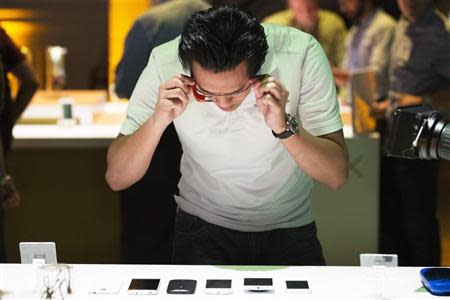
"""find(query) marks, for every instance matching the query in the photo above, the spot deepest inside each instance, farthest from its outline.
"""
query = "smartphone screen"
(297, 284)
(218, 284)
(258, 281)
(144, 284)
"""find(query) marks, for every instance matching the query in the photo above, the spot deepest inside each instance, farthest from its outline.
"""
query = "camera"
(418, 132)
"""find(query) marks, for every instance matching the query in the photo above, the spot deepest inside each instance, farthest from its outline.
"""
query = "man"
(11, 61)
(148, 207)
(247, 171)
(420, 74)
(327, 27)
(368, 41)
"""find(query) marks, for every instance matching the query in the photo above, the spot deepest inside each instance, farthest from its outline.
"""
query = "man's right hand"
(341, 76)
(172, 99)
(9, 197)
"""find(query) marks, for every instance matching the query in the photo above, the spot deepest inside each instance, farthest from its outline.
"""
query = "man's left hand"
(271, 99)
(408, 100)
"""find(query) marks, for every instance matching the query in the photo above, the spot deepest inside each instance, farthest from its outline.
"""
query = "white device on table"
(297, 286)
(106, 287)
(143, 286)
(258, 284)
(37, 252)
(378, 260)
(218, 286)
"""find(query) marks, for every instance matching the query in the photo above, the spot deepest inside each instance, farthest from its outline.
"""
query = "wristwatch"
(291, 128)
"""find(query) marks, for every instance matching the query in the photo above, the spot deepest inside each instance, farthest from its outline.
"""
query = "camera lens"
(444, 143)
(435, 140)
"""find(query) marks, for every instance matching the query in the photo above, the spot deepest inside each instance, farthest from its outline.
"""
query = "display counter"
(21, 281)
(59, 172)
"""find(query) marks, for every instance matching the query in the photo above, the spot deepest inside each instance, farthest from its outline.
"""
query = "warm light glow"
(16, 13)
(122, 14)
(19, 31)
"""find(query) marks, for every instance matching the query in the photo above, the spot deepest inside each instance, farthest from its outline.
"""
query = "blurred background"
(58, 156)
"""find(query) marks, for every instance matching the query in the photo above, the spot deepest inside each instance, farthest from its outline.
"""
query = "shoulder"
(331, 18)
(171, 11)
(442, 21)
(287, 39)
(284, 17)
(384, 21)
(433, 28)
(167, 52)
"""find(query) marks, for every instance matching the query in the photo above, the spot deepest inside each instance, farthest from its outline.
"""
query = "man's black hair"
(221, 38)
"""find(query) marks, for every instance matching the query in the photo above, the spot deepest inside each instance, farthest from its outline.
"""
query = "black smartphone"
(297, 286)
(218, 286)
(143, 287)
(181, 286)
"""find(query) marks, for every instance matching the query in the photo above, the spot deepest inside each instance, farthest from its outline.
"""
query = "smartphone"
(218, 286)
(143, 287)
(258, 284)
(181, 286)
(297, 286)
(105, 287)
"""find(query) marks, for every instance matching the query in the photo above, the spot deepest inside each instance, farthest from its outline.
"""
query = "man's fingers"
(176, 82)
(275, 91)
(272, 86)
(270, 101)
(176, 93)
(186, 79)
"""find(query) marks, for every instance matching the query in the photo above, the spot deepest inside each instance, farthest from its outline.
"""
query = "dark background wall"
(81, 26)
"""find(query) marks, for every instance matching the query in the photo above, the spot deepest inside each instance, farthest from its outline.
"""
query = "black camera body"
(418, 132)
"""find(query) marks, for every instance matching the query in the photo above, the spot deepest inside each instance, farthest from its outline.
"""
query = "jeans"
(198, 242)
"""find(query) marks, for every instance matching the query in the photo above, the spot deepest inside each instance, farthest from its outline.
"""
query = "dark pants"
(408, 222)
(2, 236)
(148, 207)
(198, 242)
(6, 126)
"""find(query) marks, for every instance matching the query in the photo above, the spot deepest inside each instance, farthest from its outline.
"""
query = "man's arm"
(27, 88)
(129, 156)
(319, 149)
(439, 100)
(324, 158)
(339, 41)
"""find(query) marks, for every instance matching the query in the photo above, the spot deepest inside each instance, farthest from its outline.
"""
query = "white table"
(19, 281)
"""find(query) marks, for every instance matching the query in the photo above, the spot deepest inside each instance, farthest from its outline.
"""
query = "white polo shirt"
(235, 173)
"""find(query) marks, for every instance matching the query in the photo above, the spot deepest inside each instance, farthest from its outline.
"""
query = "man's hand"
(9, 197)
(172, 99)
(380, 108)
(409, 100)
(271, 99)
(341, 76)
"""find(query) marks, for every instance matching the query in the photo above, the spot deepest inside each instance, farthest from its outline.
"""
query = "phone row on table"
(146, 286)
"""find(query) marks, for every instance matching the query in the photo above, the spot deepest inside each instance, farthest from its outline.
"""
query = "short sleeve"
(143, 99)
(318, 106)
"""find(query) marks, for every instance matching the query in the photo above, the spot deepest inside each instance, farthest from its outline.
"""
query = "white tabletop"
(19, 281)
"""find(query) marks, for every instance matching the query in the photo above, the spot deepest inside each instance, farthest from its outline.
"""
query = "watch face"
(293, 124)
